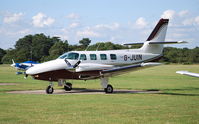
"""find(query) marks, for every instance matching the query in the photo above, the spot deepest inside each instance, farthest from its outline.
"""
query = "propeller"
(69, 65)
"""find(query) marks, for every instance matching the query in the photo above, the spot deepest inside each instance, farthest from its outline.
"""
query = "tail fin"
(159, 32)
(157, 35)
(13, 63)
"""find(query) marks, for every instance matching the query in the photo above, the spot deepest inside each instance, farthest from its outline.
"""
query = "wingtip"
(181, 72)
(182, 42)
(151, 64)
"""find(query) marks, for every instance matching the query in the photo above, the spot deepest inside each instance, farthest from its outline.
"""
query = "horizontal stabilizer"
(151, 42)
(141, 43)
(168, 42)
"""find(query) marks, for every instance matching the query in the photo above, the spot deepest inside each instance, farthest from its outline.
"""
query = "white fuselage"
(94, 60)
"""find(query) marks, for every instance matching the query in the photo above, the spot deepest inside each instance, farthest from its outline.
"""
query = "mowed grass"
(177, 102)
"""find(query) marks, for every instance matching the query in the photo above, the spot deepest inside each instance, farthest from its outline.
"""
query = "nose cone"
(30, 71)
(47, 66)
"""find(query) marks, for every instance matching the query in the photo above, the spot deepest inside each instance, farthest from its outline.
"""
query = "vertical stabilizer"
(157, 35)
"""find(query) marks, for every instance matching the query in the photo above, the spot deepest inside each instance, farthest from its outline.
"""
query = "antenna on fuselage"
(86, 48)
(98, 47)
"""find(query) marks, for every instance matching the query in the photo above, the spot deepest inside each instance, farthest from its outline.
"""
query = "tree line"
(40, 48)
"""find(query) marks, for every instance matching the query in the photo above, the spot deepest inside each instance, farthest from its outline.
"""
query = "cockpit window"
(71, 55)
(63, 56)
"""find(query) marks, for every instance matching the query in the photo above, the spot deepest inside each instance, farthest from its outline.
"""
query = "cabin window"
(82, 57)
(93, 57)
(103, 57)
(113, 56)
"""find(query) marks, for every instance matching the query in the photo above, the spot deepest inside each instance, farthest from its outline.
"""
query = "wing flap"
(125, 69)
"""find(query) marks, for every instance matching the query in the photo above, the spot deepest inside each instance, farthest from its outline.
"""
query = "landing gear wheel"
(68, 87)
(49, 90)
(108, 89)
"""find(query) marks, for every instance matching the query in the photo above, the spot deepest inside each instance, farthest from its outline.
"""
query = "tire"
(109, 89)
(49, 90)
(68, 87)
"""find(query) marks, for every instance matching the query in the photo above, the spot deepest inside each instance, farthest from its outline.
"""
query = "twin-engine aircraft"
(87, 65)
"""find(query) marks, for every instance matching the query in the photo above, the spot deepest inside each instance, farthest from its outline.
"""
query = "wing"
(125, 69)
(188, 73)
(86, 75)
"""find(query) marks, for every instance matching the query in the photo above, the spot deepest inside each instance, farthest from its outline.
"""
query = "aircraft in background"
(87, 65)
(23, 66)
(188, 73)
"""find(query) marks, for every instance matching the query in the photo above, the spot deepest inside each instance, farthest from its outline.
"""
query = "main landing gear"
(67, 87)
(107, 87)
(49, 89)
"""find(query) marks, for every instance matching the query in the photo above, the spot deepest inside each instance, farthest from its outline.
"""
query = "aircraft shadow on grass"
(171, 91)
(149, 91)
(117, 91)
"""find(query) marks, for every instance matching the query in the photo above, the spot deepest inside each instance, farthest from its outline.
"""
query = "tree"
(2, 53)
(194, 56)
(24, 43)
(10, 54)
(40, 46)
(24, 48)
(56, 50)
(85, 42)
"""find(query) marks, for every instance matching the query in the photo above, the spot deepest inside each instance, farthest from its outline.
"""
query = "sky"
(118, 21)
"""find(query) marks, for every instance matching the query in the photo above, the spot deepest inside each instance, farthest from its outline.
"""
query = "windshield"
(70, 55)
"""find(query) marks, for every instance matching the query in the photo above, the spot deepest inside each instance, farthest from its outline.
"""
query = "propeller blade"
(68, 63)
(77, 64)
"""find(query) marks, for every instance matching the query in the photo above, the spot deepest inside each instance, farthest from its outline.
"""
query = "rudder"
(157, 35)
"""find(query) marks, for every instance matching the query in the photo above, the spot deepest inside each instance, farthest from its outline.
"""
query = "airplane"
(88, 65)
(23, 66)
(188, 73)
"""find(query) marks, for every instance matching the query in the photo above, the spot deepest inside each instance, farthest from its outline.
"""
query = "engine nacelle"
(92, 66)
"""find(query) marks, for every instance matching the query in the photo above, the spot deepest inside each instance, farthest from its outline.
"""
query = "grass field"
(177, 102)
